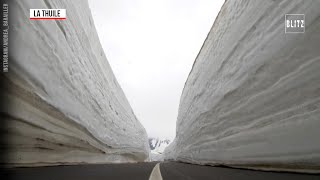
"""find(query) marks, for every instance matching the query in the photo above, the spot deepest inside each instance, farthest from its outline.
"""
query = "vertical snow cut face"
(252, 98)
(64, 105)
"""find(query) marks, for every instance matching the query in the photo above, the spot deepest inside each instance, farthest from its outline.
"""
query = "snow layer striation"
(252, 98)
(64, 103)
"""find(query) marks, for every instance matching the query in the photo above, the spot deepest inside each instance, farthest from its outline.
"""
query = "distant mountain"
(158, 145)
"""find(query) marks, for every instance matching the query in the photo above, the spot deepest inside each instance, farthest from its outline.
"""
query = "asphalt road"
(134, 171)
(141, 171)
(182, 171)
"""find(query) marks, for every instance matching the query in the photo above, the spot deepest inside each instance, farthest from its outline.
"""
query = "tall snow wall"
(252, 98)
(61, 101)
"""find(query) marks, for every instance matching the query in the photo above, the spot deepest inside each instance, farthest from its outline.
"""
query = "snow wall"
(252, 98)
(63, 104)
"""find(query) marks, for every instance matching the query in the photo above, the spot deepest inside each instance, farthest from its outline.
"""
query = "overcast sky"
(151, 46)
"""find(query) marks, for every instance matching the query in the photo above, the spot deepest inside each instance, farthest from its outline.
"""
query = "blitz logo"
(294, 23)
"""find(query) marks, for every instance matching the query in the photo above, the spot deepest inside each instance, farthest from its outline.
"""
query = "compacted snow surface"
(65, 104)
(252, 98)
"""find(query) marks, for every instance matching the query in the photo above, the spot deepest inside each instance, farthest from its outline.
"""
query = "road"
(182, 171)
(142, 171)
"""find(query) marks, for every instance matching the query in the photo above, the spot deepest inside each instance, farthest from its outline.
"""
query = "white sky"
(151, 46)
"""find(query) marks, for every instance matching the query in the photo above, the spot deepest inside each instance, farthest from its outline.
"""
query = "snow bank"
(252, 98)
(156, 156)
(157, 146)
(65, 104)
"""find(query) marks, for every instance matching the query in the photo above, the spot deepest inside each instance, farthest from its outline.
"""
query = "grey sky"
(151, 46)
